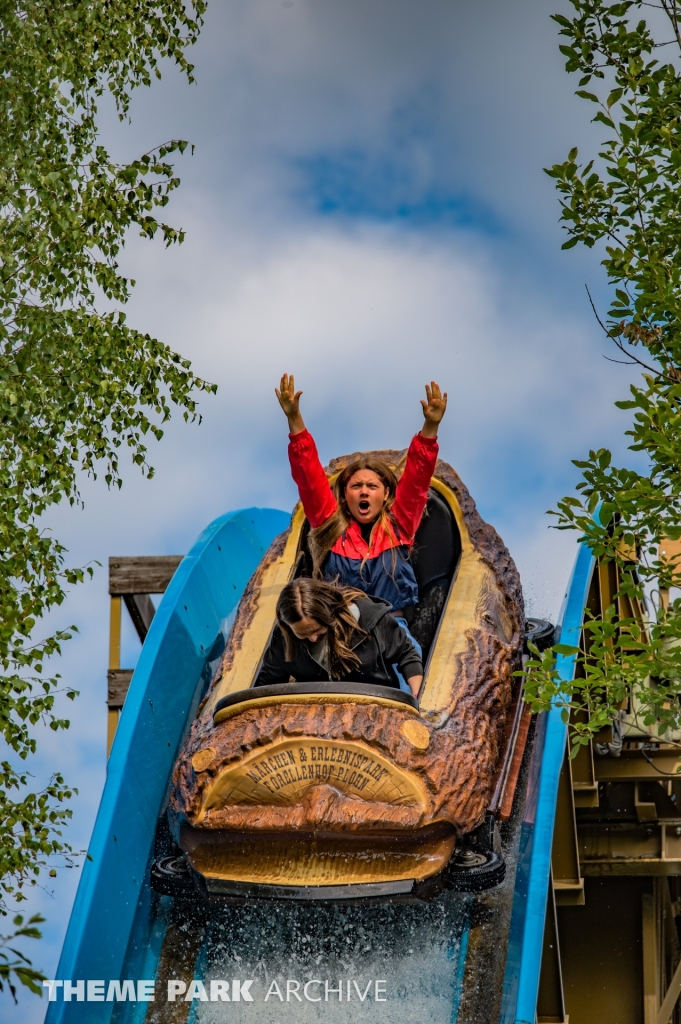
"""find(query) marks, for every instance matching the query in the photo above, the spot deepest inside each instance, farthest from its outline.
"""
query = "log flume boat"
(345, 790)
(459, 957)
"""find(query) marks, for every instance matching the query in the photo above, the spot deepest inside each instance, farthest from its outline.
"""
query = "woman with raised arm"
(363, 529)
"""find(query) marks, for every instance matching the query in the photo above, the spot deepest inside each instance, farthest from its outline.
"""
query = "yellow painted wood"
(416, 734)
(115, 621)
(472, 578)
(316, 859)
(203, 759)
(247, 659)
(115, 632)
(282, 772)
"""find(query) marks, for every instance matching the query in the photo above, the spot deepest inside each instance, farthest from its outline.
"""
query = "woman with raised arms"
(362, 529)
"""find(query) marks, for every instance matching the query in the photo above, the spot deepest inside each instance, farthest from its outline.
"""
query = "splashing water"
(392, 963)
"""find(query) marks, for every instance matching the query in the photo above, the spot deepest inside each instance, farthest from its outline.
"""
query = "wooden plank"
(118, 682)
(115, 621)
(141, 574)
(115, 633)
(141, 611)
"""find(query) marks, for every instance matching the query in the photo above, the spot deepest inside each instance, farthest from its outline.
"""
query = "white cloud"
(363, 312)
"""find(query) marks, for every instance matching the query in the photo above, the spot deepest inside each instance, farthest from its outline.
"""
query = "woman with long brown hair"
(327, 632)
(363, 528)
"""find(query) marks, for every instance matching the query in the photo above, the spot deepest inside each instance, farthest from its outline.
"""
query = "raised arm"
(289, 400)
(306, 469)
(412, 490)
(433, 409)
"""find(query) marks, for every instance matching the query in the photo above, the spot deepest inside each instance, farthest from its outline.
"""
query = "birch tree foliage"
(78, 386)
(626, 199)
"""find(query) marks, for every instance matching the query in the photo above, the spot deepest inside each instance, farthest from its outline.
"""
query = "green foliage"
(17, 967)
(77, 386)
(628, 200)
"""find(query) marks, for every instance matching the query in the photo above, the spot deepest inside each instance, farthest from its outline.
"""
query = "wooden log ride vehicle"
(332, 790)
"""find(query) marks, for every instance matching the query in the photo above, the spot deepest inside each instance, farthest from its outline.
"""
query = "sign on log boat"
(336, 790)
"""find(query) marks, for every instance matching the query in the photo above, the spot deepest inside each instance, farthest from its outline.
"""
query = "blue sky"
(365, 207)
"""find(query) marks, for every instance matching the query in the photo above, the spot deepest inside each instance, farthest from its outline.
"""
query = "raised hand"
(433, 409)
(289, 400)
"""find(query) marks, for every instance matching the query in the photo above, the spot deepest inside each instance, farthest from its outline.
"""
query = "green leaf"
(79, 385)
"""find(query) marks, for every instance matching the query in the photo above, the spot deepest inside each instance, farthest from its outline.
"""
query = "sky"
(365, 207)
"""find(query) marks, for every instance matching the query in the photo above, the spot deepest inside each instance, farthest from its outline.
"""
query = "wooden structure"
(611, 943)
(132, 579)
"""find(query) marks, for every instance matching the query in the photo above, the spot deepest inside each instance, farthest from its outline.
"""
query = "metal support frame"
(671, 998)
(568, 882)
(661, 955)
(550, 999)
(651, 986)
(629, 848)
(619, 824)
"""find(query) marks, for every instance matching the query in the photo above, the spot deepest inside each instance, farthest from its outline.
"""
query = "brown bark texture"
(456, 771)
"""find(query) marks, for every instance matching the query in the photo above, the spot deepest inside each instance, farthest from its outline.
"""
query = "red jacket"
(351, 558)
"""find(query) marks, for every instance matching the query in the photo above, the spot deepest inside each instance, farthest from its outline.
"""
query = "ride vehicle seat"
(435, 556)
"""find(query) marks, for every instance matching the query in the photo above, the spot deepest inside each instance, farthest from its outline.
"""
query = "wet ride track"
(472, 959)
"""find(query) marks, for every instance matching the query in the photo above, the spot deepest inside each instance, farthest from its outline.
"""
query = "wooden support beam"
(114, 663)
(115, 616)
(142, 611)
(118, 680)
(142, 574)
(131, 579)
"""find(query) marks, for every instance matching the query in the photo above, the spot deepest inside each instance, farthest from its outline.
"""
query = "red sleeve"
(412, 489)
(307, 471)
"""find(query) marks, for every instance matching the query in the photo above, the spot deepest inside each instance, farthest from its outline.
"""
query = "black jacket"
(386, 645)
